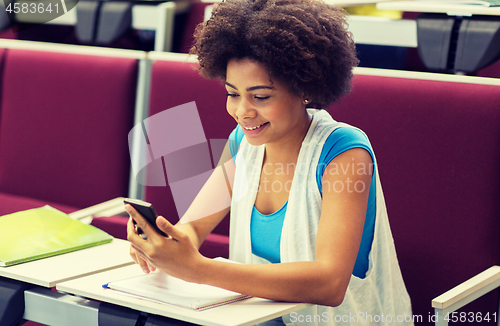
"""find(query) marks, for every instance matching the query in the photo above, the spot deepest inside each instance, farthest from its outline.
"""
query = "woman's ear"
(306, 99)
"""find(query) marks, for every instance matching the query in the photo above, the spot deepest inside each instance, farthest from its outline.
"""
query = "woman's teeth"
(253, 128)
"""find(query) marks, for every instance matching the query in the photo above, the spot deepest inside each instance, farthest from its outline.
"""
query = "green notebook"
(44, 232)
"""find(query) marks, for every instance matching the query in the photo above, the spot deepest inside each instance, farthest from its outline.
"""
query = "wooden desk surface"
(246, 312)
(50, 271)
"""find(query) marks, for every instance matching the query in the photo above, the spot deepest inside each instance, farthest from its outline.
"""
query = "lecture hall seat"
(65, 113)
(437, 141)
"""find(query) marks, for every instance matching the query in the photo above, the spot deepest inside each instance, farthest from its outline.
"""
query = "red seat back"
(64, 124)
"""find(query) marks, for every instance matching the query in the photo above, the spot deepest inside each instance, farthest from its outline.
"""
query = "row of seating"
(66, 113)
(145, 26)
(169, 26)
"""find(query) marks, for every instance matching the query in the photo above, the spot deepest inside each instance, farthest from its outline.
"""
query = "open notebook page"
(164, 288)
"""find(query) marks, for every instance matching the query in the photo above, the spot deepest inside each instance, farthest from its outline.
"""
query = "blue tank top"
(265, 230)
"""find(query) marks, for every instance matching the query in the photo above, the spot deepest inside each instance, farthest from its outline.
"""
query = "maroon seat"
(438, 150)
(114, 225)
(11, 203)
(3, 52)
(492, 71)
(7, 34)
(175, 83)
(63, 127)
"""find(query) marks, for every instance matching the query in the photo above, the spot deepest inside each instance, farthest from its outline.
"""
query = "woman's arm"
(212, 203)
(207, 210)
(322, 281)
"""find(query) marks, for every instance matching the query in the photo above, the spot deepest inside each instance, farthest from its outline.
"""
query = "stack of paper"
(43, 232)
(164, 288)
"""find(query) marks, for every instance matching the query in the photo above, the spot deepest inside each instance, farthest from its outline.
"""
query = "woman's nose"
(245, 109)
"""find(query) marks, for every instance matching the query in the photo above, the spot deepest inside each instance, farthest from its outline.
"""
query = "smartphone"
(148, 212)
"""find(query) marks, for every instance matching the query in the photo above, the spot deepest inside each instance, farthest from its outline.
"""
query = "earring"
(306, 101)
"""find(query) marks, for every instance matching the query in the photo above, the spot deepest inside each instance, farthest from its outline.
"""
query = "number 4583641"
(470, 317)
(31, 8)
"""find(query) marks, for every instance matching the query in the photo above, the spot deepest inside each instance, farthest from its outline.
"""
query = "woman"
(308, 219)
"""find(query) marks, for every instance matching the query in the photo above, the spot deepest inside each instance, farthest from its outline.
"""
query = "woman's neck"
(287, 149)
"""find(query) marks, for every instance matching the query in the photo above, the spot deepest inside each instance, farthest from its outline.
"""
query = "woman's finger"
(133, 254)
(141, 260)
(167, 227)
(140, 221)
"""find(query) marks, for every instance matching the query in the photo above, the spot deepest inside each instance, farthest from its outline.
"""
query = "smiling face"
(266, 111)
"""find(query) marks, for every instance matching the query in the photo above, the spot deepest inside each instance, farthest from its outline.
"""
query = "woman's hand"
(146, 268)
(174, 255)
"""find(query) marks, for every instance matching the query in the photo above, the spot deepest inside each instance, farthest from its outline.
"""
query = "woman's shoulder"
(347, 133)
(342, 139)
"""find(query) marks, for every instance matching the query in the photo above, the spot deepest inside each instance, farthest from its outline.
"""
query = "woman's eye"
(261, 98)
(231, 95)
